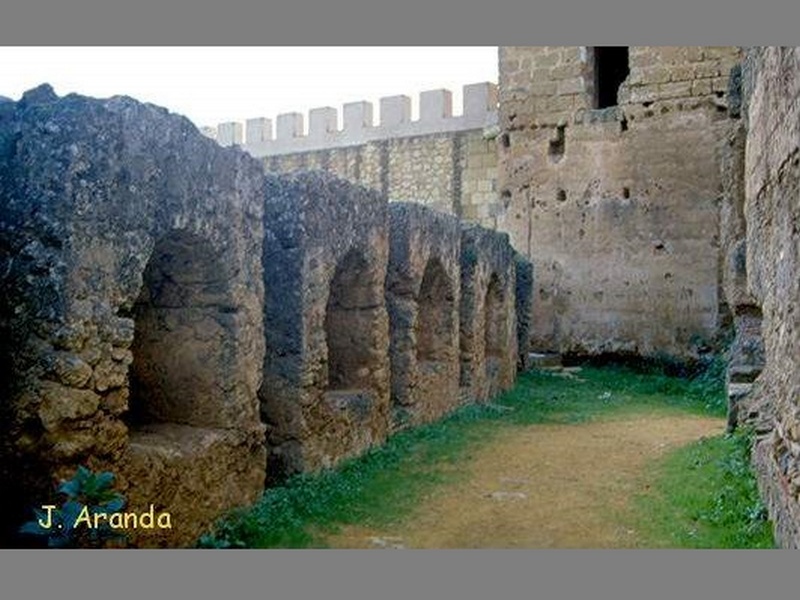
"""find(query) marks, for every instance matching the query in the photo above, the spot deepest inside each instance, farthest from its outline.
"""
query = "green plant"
(737, 505)
(87, 494)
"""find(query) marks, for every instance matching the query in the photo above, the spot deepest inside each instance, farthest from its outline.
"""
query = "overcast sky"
(213, 85)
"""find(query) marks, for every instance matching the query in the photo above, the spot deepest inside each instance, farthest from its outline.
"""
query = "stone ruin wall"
(325, 393)
(173, 314)
(771, 176)
(363, 320)
(129, 342)
(488, 320)
(443, 161)
(745, 359)
(423, 292)
(618, 207)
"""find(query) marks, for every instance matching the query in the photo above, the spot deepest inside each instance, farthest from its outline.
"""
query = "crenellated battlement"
(435, 116)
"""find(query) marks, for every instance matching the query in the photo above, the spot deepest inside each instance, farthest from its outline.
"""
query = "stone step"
(744, 373)
(737, 391)
(541, 360)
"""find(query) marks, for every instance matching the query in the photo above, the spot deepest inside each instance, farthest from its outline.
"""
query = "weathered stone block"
(227, 468)
(675, 90)
(707, 69)
(701, 87)
(61, 403)
(656, 74)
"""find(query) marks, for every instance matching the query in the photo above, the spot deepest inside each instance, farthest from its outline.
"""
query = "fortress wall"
(454, 173)
(771, 82)
(617, 207)
(198, 329)
(443, 161)
(153, 280)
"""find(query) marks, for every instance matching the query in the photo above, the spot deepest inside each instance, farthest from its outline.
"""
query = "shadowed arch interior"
(435, 324)
(182, 346)
(494, 319)
(350, 316)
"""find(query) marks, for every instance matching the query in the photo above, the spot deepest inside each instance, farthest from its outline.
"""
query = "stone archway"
(435, 325)
(180, 345)
(352, 308)
(195, 446)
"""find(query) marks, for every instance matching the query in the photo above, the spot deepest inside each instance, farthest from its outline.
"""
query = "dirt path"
(544, 486)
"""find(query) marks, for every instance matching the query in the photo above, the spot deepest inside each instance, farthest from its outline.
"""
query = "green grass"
(704, 496)
(595, 392)
(385, 484)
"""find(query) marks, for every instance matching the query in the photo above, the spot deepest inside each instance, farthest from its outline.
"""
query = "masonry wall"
(422, 295)
(618, 207)
(454, 173)
(445, 162)
(746, 349)
(131, 320)
(772, 214)
(325, 394)
(487, 314)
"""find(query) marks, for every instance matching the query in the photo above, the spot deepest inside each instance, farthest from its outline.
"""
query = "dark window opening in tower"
(611, 67)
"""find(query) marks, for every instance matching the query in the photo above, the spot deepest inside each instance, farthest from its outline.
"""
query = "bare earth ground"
(544, 486)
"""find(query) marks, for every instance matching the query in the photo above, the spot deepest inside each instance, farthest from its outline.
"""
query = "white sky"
(217, 84)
